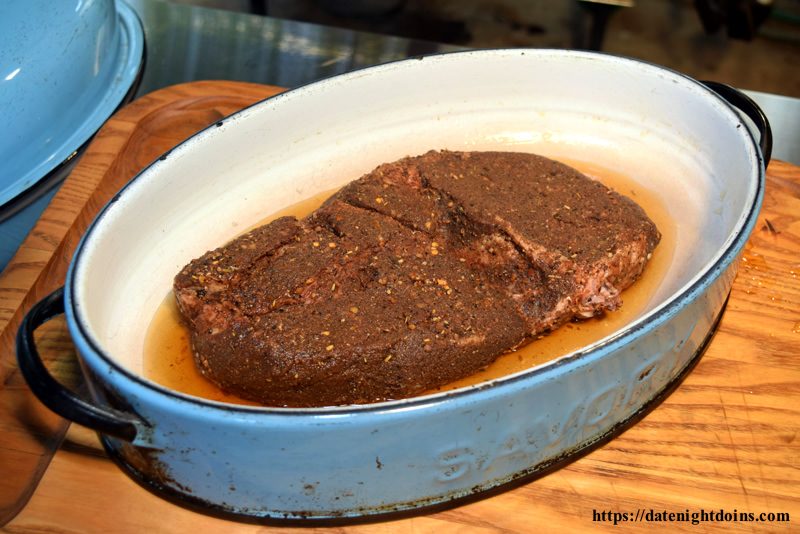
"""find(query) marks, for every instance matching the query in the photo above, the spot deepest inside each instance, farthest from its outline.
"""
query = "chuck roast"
(419, 273)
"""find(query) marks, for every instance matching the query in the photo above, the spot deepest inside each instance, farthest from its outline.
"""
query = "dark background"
(744, 51)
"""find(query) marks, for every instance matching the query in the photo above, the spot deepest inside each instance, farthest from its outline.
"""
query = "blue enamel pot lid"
(64, 68)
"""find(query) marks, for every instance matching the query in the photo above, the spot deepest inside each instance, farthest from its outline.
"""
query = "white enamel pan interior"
(662, 129)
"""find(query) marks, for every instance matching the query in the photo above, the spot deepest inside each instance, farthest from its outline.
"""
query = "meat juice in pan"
(168, 357)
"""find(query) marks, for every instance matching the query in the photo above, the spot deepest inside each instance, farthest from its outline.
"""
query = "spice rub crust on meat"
(419, 273)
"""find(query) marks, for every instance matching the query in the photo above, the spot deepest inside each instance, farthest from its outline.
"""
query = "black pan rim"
(659, 317)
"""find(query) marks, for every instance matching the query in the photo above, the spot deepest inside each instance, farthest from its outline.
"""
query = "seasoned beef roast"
(419, 273)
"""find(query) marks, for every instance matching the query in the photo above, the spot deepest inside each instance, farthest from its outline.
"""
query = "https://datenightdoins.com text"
(694, 517)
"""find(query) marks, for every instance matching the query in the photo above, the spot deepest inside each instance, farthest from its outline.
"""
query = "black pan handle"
(746, 105)
(54, 395)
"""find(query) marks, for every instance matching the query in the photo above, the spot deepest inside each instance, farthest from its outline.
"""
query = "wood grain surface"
(726, 439)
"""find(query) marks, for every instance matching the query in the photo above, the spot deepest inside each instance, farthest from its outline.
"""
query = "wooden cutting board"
(726, 439)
